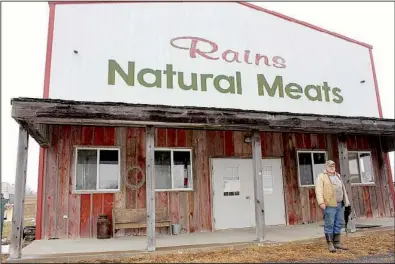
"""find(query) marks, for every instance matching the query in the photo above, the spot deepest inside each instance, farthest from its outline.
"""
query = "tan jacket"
(325, 191)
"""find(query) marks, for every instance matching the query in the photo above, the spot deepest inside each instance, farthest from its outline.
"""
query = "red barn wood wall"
(192, 210)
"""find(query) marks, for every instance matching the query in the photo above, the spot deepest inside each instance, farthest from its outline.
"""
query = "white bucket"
(176, 229)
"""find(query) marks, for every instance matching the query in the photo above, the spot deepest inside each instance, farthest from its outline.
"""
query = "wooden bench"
(137, 218)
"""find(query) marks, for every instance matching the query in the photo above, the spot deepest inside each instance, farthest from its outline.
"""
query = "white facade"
(223, 55)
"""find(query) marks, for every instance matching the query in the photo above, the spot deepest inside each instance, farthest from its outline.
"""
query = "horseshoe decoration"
(139, 184)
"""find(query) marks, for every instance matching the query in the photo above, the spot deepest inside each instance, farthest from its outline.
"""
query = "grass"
(7, 228)
(359, 244)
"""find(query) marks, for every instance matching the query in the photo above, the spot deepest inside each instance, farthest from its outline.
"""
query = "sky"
(24, 37)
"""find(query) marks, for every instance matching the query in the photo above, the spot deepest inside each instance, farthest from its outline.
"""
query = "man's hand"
(322, 206)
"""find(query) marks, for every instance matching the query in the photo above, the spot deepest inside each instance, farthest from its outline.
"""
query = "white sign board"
(222, 55)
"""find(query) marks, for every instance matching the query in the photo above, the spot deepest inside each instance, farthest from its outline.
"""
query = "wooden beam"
(150, 187)
(19, 200)
(387, 184)
(112, 114)
(345, 174)
(258, 186)
(39, 132)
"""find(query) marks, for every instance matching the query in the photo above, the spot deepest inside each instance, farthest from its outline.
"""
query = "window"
(310, 164)
(173, 169)
(361, 168)
(97, 170)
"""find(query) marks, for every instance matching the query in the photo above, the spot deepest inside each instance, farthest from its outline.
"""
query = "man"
(332, 198)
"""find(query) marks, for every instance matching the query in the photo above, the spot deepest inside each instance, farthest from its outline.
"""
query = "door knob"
(248, 197)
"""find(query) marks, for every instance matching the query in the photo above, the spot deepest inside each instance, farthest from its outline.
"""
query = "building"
(8, 190)
(199, 118)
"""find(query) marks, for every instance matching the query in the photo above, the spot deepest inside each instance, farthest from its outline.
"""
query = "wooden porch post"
(258, 186)
(19, 200)
(150, 187)
(345, 174)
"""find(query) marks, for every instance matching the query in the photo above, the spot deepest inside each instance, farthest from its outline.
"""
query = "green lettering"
(238, 83)
(317, 89)
(271, 91)
(113, 67)
(182, 84)
(326, 90)
(158, 78)
(203, 81)
(336, 92)
(169, 75)
(293, 88)
(229, 79)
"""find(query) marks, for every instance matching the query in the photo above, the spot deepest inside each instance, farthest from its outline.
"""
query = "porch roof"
(36, 114)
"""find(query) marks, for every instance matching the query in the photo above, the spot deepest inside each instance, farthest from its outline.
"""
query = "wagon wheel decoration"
(138, 183)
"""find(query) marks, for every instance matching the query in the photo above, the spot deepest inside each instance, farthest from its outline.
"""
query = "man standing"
(332, 198)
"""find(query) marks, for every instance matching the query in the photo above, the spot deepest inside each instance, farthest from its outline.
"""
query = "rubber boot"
(329, 240)
(336, 242)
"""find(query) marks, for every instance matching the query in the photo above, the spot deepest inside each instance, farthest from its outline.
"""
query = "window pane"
(162, 169)
(182, 170)
(319, 163)
(365, 164)
(86, 170)
(108, 169)
(305, 169)
(353, 167)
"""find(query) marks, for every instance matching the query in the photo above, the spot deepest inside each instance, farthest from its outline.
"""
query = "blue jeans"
(333, 219)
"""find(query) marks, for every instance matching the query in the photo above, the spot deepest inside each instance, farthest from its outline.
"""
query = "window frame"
(190, 150)
(312, 160)
(359, 168)
(97, 190)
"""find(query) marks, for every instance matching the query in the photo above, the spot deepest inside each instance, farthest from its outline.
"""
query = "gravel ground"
(388, 258)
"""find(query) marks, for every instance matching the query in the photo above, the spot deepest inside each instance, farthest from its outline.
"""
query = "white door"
(233, 192)
(273, 192)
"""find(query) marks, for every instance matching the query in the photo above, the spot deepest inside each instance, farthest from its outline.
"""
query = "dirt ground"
(360, 245)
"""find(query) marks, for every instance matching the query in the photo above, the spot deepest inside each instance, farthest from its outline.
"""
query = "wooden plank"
(174, 208)
(229, 147)
(150, 186)
(258, 186)
(120, 197)
(73, 113)
(50, 185)
(181, 138)
(278, 148)
(97, 209)
(345, 175)
(19, 199)
(362, 208)
(131, 160)
(374, 146)
(85, 215)
(238, 141)
(183, 203)
(196, 218)
(203, 187)
(263, 136)
(384, 180)
(74, 199)
(64, 154)
(162, 198)
(367, 203)
(171, 137)
(141, 162)
(373, 201)
(288, 190)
